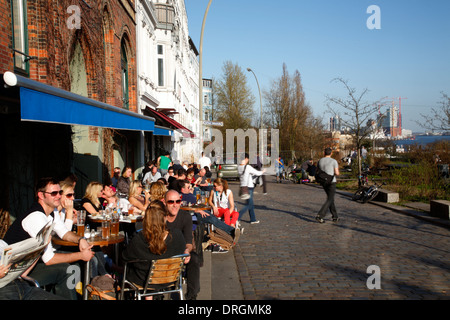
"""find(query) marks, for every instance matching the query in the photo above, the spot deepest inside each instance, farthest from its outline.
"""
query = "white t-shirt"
(62, 216)
(204, 162)
(149, 177)
(35, 221)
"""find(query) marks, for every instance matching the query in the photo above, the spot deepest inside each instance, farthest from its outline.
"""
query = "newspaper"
(23, 254)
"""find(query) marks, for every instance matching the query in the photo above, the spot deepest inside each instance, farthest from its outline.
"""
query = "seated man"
(54, 268)
(200, 181)
(19, 289)
(181, 220)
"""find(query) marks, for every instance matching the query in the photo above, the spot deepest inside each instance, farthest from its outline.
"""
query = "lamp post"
(260, 117)
(260, 101)
(200, 78)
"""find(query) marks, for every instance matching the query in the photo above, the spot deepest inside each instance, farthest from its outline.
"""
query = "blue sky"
(408, 57)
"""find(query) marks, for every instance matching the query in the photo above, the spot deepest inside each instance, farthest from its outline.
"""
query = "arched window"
(124, 68)
(77, 69)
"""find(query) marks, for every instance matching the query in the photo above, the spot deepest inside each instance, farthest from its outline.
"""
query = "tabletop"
(128, 219)
(95, 241)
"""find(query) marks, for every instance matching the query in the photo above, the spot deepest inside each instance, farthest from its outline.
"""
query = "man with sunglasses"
(53, 267)
(182, 220)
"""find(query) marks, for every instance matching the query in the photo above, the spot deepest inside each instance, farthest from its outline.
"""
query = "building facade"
(77, 88)
(168, 79)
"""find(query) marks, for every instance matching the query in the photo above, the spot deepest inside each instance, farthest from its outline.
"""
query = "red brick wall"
(53, 43)
(6, 61)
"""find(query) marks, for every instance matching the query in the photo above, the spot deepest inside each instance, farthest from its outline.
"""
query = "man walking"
(329, 166)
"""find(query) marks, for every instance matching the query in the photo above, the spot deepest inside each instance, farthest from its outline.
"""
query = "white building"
(167, 70)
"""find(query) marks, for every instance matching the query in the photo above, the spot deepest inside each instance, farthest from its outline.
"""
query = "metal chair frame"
(167, 273)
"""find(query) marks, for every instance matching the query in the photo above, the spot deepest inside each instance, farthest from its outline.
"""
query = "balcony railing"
(165, 13)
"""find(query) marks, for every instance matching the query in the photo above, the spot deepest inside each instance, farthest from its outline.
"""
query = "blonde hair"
(154, 227)
(66, 185)
(92, 190)
(157, 190)
(133, 188)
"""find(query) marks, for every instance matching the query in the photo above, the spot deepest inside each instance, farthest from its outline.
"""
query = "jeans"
(248, 206)
(330, 190)
(56, 274)
(212, 219)
(22, 290)
(193, 277)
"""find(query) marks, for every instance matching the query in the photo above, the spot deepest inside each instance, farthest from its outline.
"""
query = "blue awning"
(162, 131)
(44, 103)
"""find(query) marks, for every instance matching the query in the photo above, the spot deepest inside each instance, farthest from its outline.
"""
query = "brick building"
(70, 103)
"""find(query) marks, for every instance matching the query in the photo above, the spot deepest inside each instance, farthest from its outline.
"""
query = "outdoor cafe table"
(95, 241)
(127, 219)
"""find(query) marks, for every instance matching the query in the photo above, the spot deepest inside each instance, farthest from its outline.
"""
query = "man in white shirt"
(204, 162)
(55, 265)
(151, 176)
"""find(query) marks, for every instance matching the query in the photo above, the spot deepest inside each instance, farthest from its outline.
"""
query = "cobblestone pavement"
(288, 255)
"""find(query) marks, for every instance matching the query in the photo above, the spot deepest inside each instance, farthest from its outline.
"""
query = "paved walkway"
(291, 256)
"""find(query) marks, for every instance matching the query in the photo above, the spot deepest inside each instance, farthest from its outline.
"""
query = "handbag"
(102, 288)
(244, 193)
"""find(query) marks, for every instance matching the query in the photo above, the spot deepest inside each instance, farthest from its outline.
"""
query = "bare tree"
(288, 111)
(355, 114)
(439, 118)
(234, 98)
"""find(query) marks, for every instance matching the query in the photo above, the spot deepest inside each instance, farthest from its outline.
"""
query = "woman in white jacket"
(247, 173)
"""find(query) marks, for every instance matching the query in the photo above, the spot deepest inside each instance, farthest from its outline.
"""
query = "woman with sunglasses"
(135, 197)
(65, 210)
(91, 200)
(155, 241)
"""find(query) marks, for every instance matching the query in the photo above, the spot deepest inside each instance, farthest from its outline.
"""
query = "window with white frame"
(160, 65)
(20, 35)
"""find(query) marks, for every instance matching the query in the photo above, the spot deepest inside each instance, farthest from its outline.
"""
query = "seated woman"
(65, 211)
(157, 191)
(153, 242)
(91, 202)
(123, 183)
(190, 175)
(222, 202)
(136, 198)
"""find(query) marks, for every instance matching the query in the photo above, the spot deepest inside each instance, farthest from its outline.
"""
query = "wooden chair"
(5, 222)
(164, 276)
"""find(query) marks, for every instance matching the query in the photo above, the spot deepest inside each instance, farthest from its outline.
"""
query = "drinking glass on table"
(106, 225)
(115, 224)
(81, 220)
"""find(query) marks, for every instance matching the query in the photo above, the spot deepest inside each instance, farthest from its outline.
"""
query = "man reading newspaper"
(54, 267)
(12, 283)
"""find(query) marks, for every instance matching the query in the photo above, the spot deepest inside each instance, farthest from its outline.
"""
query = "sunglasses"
(173, 201)
(55, 193)
(70, 195)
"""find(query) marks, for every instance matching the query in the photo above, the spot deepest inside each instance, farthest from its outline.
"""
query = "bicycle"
(366, 194)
